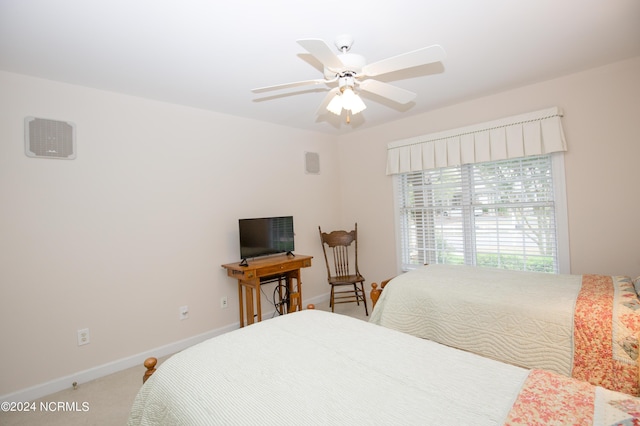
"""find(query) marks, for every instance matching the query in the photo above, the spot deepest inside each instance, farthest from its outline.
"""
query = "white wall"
(602, 127)
(138, 225)
(141, 221)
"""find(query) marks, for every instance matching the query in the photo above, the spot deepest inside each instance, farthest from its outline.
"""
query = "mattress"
(521, 318)
(314, 367)
(584, 326)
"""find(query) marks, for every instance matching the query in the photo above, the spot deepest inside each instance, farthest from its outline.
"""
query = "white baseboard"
(61, 383)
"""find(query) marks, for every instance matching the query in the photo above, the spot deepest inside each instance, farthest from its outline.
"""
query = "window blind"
(495, 214)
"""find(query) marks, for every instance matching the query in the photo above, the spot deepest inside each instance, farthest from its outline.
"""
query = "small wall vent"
(49, 138)
(312, 163)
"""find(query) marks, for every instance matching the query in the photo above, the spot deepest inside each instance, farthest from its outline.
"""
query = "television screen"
(265, 236)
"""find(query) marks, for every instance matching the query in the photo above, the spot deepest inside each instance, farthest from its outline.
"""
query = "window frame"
(560, 206)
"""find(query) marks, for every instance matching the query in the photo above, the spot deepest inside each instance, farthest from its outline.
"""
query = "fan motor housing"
(352, 63)
(344, 42)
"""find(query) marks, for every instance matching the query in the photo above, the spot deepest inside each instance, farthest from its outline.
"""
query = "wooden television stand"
(273, 268)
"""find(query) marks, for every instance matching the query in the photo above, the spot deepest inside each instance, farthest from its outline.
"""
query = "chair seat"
(346, 279)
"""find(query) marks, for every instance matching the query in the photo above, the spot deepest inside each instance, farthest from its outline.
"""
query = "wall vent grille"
(46, 138)
(312, 163)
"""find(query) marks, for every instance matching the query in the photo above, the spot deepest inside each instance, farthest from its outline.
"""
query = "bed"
(583, 326)
(316, 367)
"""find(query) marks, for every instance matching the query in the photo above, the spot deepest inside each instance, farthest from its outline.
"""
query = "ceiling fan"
(350, 71)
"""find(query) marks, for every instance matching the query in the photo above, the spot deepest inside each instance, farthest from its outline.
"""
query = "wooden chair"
(343, 273)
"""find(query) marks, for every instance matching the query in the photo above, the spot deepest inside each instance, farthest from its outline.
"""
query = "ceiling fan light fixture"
(335, 106)
(347, 97)
(348, 100)
(352, 102)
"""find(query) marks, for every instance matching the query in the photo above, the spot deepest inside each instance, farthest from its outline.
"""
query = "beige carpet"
(109, 398)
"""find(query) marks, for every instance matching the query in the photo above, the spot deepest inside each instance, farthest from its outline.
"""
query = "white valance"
(523, 135)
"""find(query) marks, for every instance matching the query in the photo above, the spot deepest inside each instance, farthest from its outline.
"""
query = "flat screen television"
(265, 236)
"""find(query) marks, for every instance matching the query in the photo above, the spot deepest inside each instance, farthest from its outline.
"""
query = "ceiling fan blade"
(415, 58)
(322, 52)
(323, 105)
(388, 91)
(289, 85)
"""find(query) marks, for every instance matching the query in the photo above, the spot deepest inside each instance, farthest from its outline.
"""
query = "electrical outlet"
(83, 337)
(223, 302)
(184, 312)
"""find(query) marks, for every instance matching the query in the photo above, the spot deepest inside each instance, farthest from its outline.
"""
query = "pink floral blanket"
(547, 398)
(606, 324)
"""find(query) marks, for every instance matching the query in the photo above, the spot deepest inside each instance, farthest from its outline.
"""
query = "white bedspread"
(314, 367)
(523, 318)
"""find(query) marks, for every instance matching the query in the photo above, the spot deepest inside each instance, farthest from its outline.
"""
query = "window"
(506, 214)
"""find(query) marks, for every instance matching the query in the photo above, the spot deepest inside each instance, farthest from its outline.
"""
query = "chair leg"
(364, 299)
(331, 301)
(356, 291)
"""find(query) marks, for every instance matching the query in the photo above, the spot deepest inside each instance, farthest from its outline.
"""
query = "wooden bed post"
(150, 365)
(376, 292)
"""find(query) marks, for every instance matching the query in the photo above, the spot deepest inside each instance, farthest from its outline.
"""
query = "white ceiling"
(209, 54)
